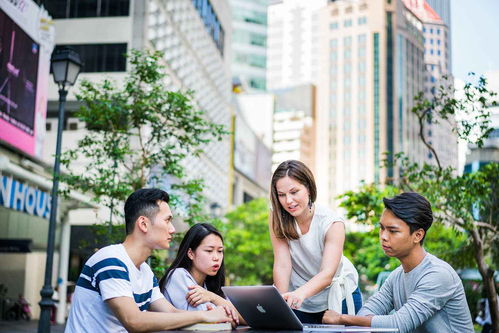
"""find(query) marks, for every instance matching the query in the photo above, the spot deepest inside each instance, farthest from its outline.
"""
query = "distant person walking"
(309, 267)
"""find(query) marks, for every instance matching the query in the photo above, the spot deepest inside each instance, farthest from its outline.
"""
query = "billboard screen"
(18, 75)
(26, 43)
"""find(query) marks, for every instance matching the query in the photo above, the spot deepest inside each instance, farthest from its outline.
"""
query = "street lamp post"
(65, 65)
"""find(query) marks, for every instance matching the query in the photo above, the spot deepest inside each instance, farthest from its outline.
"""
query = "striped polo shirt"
(109, 273)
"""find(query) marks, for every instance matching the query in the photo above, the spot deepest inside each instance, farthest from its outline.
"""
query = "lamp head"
(66, 65)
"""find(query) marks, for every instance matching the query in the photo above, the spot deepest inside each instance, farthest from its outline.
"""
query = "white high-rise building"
(437, 66)
(443, 9)
(249, 43)
(194, 36)
(294, 125)
(293, 43)
(372, 64)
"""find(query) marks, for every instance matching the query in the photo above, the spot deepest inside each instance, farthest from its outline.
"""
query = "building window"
(212, 23)
(362, 67)
(431, 41)
(347, 41)
(438, 31)
(362, 81)
(333, 42)
(247, 197)
(362, 51)
(332, 98)
(242, 15)
(249, 38)
(431, 30)
(347, 54)
(251, 60)
(87, 8)
(438, 41)
(333, 26)
(100, 57)
(362, 20)
(362, 95)
(347, 23)
(257, 83)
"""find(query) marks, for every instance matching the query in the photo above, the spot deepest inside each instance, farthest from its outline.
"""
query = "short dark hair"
(143, 202)
(413, 209)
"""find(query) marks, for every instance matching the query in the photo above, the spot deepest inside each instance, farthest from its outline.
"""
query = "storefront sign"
(24, 198)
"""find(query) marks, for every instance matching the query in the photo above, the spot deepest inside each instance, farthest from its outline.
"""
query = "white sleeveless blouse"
(306, 258)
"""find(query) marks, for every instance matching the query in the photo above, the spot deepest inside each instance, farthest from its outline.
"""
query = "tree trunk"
(488, 280)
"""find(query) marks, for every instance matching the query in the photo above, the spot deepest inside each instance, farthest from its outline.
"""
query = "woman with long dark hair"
(195, 278)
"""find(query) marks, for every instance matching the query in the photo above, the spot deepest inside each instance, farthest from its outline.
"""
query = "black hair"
(143, 202)
(193, 237)
(413, 209)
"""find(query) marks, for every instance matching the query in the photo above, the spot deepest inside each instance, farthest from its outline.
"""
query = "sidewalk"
(22, 326)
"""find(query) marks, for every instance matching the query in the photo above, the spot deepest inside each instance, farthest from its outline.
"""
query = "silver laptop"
(264, 308)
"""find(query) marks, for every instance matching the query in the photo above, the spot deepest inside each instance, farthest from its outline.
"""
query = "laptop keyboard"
(321, 326)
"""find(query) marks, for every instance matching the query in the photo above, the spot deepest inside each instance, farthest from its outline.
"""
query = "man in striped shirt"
(117, 291)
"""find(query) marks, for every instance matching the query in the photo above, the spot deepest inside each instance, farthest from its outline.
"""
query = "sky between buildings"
(475, 36)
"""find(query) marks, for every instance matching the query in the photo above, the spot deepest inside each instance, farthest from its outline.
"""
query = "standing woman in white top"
(310, 270)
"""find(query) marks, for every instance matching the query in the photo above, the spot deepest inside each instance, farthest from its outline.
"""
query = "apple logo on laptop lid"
(260, 308)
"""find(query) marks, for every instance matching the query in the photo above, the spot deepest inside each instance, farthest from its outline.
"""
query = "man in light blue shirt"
(425, 292)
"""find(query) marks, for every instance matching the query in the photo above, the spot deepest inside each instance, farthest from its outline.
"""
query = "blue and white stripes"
(110, 268)
(114, 271)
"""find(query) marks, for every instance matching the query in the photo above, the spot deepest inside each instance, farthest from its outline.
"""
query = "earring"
(310, 205)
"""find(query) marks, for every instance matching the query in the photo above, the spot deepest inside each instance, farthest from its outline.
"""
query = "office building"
(293, 43)
(252, 159)
(249, 44)
(294, 125)
(372, 68)
(194, 36)
(437, 73)
(443, 9)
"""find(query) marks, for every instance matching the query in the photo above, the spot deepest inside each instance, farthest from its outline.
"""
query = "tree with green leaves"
(249, 256)
(468, 203)
(138, 133)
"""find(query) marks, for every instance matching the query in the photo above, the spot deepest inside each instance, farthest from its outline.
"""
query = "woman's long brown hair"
(281, 221)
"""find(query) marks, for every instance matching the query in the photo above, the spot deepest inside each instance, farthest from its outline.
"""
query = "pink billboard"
(24, 73)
